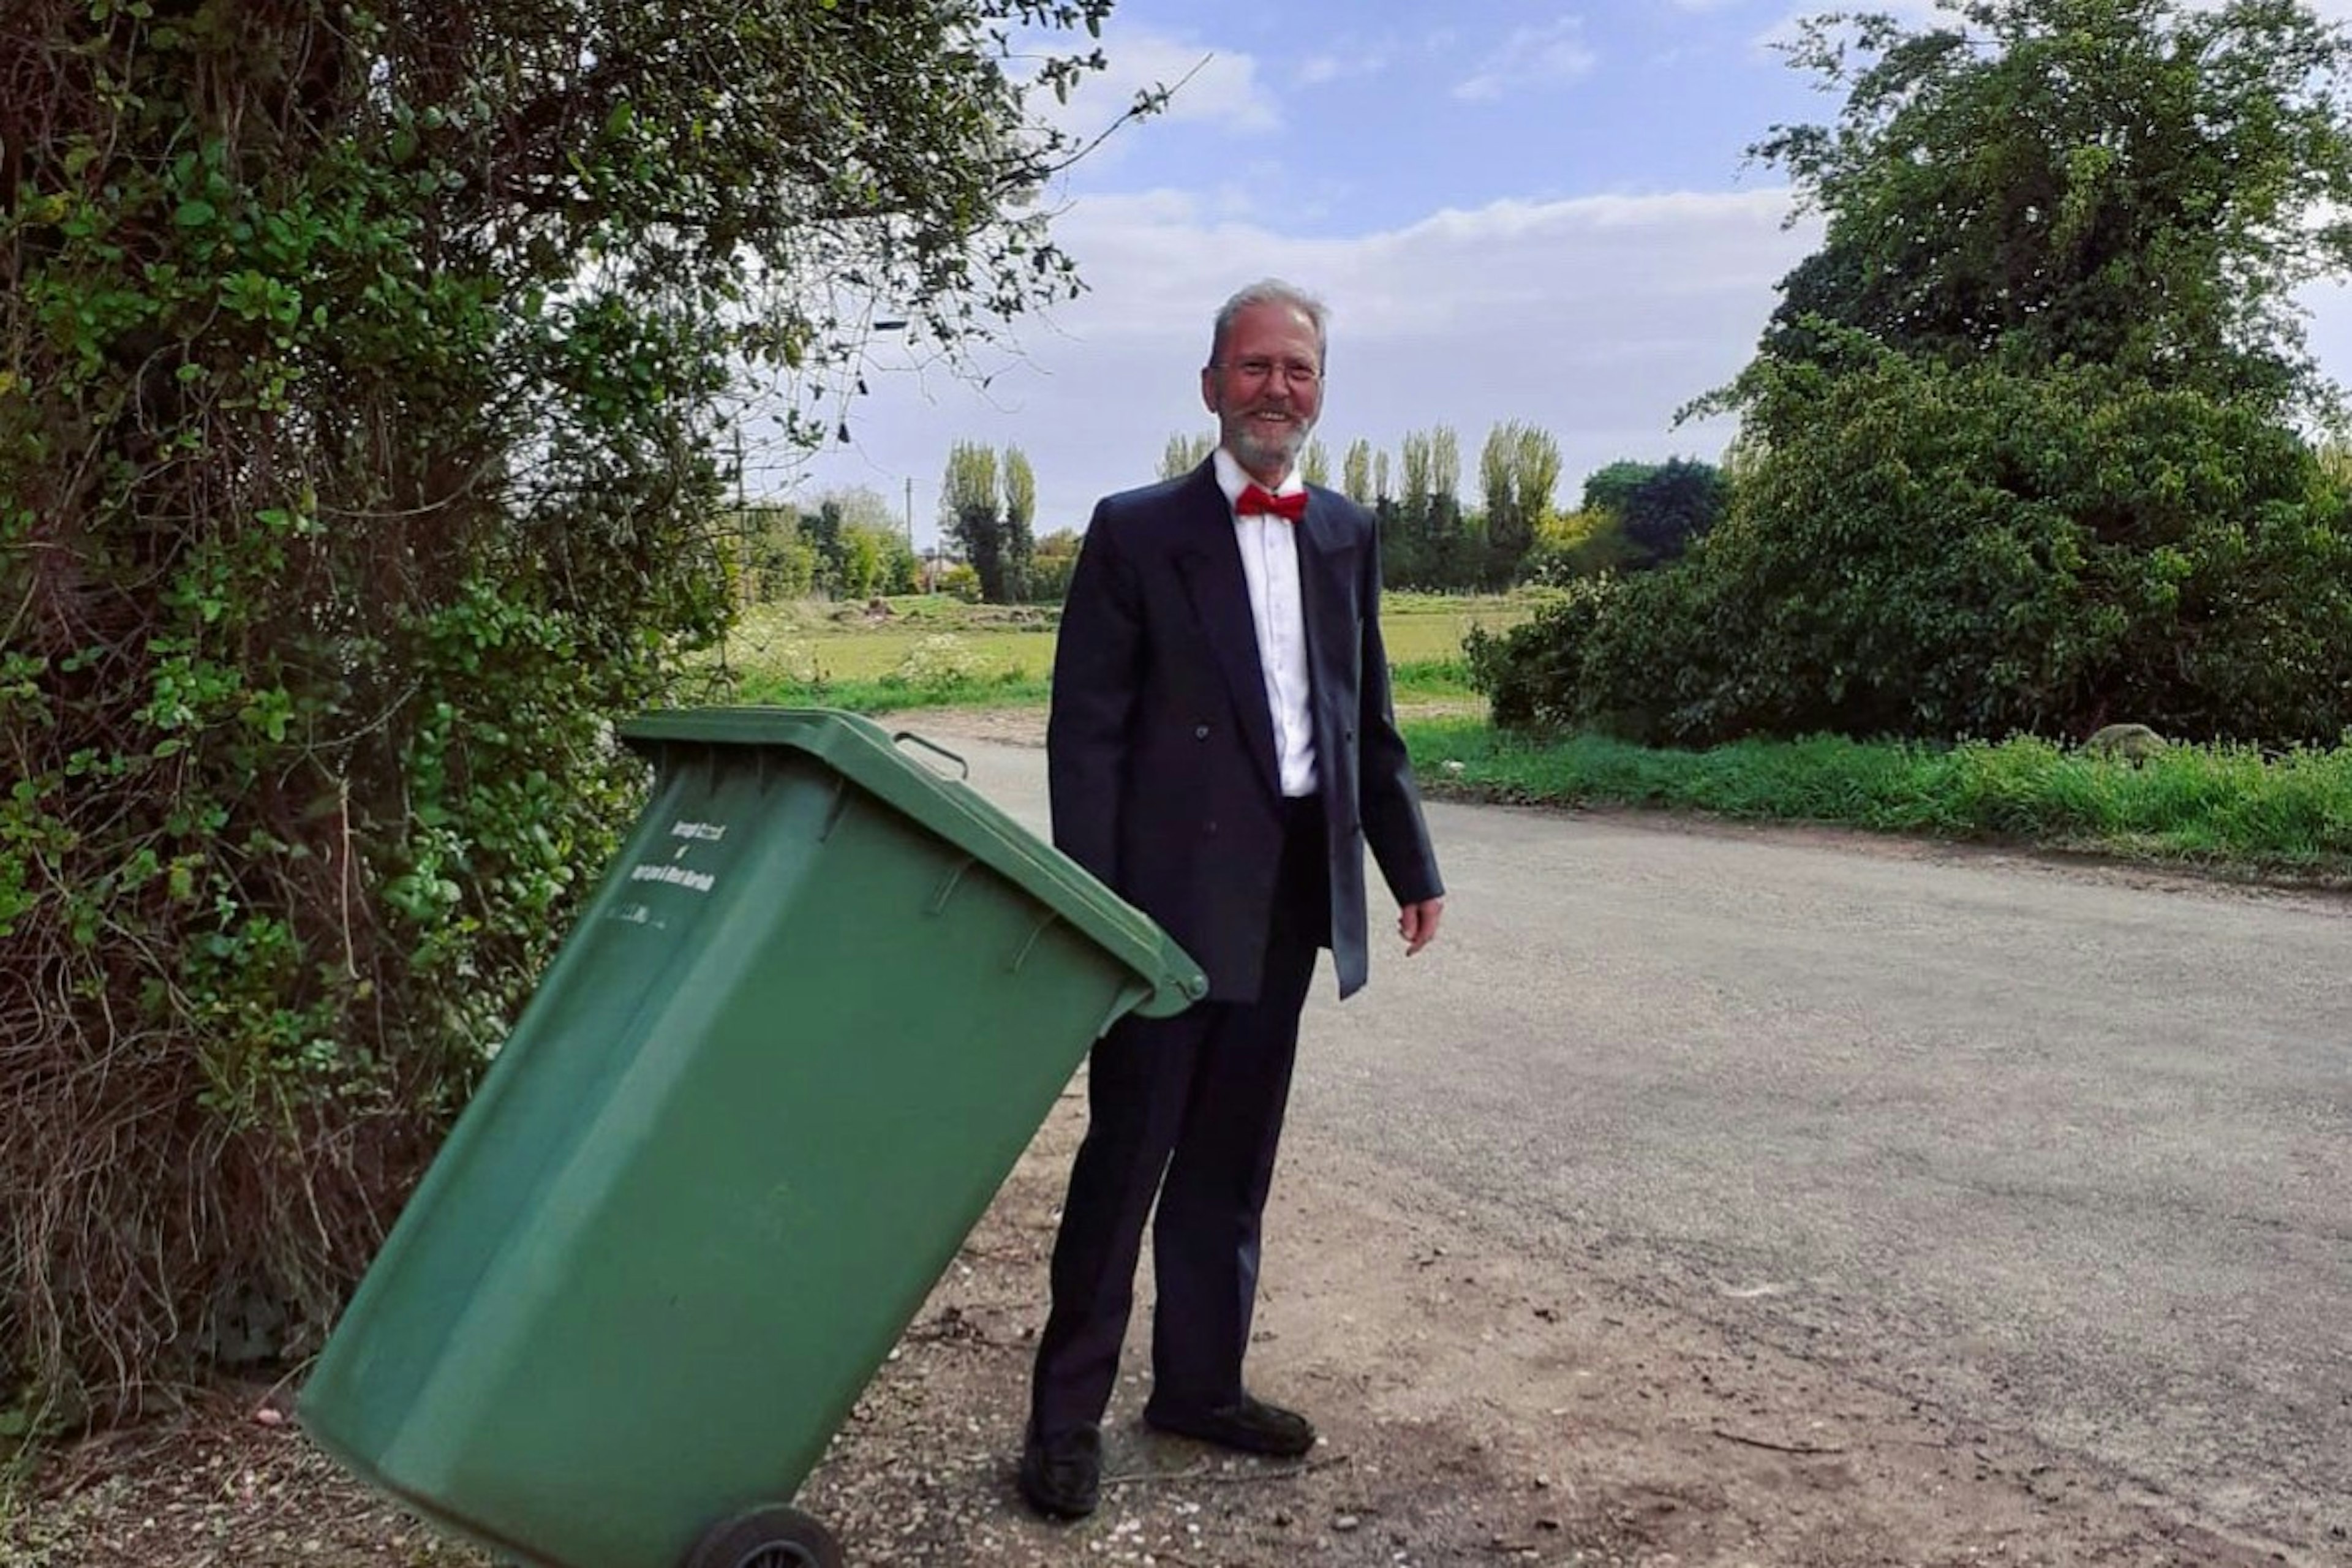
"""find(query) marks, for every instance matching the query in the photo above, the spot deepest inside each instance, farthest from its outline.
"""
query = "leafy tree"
(1453, 546)
(821, 527)
(1049, 571)
(1611, 488)
(368, 373)
(901, 569)
(2137, 184)
(1314, 463)
(1405, 531)
(1670, 507)
(1445, 463)
(1183, 454)
(1426, 542)
(875, 561)
(2019, 450)
(1578, 544)
(1417, 462)
(1356, 472)
(2004, 552)
(1518, 469)
(971, 514)
(775, 560)
(1019, 513)
(845, 523)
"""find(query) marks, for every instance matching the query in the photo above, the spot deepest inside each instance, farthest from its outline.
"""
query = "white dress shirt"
(1269, 547)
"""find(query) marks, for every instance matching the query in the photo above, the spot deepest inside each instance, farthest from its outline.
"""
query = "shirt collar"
(1232, 479)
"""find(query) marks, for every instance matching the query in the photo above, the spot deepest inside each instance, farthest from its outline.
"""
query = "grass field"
(2281, 816)
(928, 651)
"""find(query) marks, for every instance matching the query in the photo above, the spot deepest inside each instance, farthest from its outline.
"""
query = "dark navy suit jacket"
(1160, 746)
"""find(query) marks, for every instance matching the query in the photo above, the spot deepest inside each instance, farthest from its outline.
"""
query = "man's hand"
(1417, 923)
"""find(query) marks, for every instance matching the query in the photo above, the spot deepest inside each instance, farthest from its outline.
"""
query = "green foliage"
(1674, 509)
(1608, 489)
(770, 555)
(359, 458)
(988, 510)
(1184, 453)
(1656, 511)
(962, 582)
(779, 552)
(1427, 541)
(1049, 570)
(1582, 544)
(1937, 551)
(1518, 469)
(2278, 813)
(1019, 543)
(2019, 453)
(875, 561)
(2137, 184)
(1532, 673)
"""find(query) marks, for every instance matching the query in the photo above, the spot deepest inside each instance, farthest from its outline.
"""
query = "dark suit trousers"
(1196, 1099)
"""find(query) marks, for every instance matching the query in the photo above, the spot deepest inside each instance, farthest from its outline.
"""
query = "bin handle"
(905, 735)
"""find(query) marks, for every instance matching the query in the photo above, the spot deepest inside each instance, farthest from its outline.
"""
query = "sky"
(1514, 210)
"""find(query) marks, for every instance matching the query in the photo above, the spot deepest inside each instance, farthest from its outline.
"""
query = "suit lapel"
(1210, 560)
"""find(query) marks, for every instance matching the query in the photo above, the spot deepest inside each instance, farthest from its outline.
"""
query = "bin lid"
(869, 756)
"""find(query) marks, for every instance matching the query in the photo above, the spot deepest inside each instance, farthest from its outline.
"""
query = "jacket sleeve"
(1098, 670)
(1387, 798)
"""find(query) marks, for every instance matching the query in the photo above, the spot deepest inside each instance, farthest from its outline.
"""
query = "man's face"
(1266, 388)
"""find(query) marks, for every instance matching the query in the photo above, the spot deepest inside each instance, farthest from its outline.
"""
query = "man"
(1220, 749)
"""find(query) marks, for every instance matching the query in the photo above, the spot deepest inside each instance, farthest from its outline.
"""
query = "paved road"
(2065, 1151)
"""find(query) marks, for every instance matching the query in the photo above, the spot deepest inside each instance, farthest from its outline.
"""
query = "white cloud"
(1336, 66)
(1532, 57)
(1594, 319)
(1221, 87)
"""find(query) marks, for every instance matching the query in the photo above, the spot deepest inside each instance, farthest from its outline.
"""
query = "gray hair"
(1273, 292)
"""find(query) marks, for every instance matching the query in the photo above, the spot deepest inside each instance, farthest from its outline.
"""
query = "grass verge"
(2286, 817)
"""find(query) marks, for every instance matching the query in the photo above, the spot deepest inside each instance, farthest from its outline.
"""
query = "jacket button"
(1199, 732)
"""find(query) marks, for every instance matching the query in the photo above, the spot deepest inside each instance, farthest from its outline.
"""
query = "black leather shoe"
(1254, 1426)
(1061, 1478)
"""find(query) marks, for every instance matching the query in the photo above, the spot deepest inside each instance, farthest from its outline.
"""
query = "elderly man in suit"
(1219, 751)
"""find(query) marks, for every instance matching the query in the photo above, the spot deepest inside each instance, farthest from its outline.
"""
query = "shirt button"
(1199, 732)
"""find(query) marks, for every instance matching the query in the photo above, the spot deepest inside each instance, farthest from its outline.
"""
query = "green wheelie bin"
(814, 1012)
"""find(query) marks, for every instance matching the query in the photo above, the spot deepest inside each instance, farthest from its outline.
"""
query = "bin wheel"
(777, 1537)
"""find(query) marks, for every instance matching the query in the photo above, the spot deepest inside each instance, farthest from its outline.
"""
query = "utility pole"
(921, 586)
(744, 593)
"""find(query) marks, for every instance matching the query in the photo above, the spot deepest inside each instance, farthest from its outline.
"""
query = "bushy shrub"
(365, 379)
(1941, 551)
(960, 580)
(943, 662)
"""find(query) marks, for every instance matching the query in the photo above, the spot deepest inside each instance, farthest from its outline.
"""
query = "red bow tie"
(1289, 508)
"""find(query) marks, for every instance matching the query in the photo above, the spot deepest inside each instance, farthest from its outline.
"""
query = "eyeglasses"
(1297, 373)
